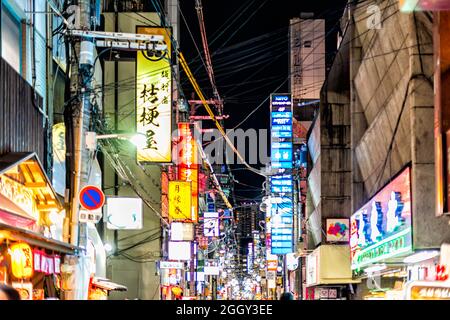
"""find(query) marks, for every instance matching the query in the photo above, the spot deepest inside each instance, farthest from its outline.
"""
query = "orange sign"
(188, 168)
(433, 290)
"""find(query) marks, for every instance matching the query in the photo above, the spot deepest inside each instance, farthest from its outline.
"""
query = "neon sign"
(188, 167)
(381, 229)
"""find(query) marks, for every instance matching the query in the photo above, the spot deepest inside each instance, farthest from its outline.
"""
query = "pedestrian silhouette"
(8, 293)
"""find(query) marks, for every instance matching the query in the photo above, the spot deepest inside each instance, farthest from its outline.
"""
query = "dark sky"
(249, 48)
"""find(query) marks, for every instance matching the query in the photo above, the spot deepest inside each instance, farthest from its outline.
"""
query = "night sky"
(249, 47)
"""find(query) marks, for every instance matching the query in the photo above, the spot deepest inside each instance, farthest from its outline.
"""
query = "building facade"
(372, 149)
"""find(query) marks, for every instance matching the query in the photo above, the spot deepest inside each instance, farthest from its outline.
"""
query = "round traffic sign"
(92, 198)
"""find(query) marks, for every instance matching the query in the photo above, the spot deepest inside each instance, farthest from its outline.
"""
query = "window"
(11, 39)
(307, 44)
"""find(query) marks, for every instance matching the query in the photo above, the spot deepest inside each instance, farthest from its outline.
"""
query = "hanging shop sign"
(282, 225)
(124, 213)
(180, 198)
(46, 263)
(165, 194)
(171, 265)
(250, 257)
(381, 229)
(180, 231)
(281, 131)
(338, 230)
(281, 184)
(179, 250)
(428, 290)
(312, 275)
(211, 224)
(21, 260)
(154, 101)
(59, 157)
(291, 262)
(188, 165)
(20, 195)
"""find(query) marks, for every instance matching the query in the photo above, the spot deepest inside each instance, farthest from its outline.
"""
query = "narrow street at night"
(219, 157)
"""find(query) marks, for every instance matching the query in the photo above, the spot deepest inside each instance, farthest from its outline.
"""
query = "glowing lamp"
(21, 261)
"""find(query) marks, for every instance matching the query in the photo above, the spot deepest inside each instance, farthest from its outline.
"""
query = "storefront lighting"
(375, 268)
(421, 256)
(138, 139)
(21, 260)
(108, 247)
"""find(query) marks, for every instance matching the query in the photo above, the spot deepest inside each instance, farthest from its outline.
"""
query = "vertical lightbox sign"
(282, 206)
(154, 100)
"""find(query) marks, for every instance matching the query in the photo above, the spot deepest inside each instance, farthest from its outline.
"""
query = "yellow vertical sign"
(180, 200)
(154, 100)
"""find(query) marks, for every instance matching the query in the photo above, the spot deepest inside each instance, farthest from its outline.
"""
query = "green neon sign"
(395, 245)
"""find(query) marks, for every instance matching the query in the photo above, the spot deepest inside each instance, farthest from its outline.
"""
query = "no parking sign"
(92, 200)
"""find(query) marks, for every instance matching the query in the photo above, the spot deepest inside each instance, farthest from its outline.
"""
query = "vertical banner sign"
(179, 201)
(188, 168)
(154, 101)
(282, 205)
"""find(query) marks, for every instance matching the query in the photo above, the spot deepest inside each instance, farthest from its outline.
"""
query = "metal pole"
(81, 74)
(286, 274)
(214, 287)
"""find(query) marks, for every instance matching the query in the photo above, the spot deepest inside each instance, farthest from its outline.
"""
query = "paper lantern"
(22, 261)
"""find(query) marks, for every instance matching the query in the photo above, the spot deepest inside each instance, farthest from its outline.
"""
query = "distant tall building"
(307, 57)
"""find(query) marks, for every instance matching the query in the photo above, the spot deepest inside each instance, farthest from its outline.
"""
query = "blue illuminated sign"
(281, 185)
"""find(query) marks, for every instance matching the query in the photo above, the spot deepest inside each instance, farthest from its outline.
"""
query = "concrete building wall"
(134, 268)
(307, 58)
(376, 117)
(392, 112)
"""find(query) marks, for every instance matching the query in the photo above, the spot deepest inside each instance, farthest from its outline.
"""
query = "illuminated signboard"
(180, 231)
(154, 101)
(381, 229)
(180, 200)
(179, 250)
(424, 5)
(211, 224)
(171, 265)
(188, 168)
(282, 225)
(281, 185)
(281, 131)
(124, 213)
(249, 257)
(428, 290)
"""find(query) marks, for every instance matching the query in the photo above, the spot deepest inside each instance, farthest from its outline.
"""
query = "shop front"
(383, 254)
(328, 273)
(33, 254)
(172, 274)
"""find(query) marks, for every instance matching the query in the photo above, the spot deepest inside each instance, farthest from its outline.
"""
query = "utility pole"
(81, 66)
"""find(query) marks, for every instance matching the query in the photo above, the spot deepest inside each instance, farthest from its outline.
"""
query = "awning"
(329, 265)
(22, 181)
(36, 239)
(106, 284)
(25, 193)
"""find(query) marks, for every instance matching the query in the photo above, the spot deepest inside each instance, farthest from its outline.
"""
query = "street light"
(138, 139)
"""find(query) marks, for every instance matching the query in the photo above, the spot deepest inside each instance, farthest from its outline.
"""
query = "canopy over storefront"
(329, 265)
(30, 209)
